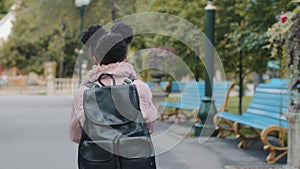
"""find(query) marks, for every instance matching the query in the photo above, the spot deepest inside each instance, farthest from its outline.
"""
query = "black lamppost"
(81, 4)
(208, 105)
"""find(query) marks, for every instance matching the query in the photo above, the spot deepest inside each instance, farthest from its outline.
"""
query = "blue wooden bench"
(150, 84)
(191, 96)
(263, 120)
(176, 87)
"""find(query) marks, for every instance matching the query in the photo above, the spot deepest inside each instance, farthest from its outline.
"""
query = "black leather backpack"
(114, 134)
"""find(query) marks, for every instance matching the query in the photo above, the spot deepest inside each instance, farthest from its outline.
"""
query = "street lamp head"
(80, 3)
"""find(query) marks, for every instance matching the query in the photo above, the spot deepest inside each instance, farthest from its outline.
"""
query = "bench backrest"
(269, 101)
(177, 86)
(192, 94)
(219, 92)
(150, 84)
(194, 91)
(278, 81)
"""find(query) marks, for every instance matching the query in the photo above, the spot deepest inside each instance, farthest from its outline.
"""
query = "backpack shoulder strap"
(132, 78)
(129, 80)
(90, 84)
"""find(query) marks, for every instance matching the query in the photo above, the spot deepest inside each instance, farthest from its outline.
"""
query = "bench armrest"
(224, 105)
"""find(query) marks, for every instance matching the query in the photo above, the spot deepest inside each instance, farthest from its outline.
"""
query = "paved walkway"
(34, 135)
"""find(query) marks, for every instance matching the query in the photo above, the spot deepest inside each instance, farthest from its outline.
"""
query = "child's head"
(112, 47)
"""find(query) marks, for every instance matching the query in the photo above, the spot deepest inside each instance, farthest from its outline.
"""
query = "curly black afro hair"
(86, 35)
(111, 48)
(123, 29)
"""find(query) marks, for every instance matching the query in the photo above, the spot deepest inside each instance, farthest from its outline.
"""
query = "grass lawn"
(233, 104)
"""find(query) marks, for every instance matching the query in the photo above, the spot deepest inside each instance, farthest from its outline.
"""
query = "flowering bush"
(277, 39)
(293, 44)
(284, 38)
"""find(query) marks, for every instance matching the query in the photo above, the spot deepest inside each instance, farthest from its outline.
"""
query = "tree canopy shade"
(246, 36)
(242, 26)
(46, 31)
(49, 30)
(192, 11)
(4, 7)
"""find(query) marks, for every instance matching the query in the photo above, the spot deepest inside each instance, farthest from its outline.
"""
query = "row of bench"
(263, 120)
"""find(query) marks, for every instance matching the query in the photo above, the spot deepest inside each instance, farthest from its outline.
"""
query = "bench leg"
(166, 115)
(195, 114)
(186, 116)
(225, 127)
(163, 113)
(246, 139)
(176, 113)
(281, 136)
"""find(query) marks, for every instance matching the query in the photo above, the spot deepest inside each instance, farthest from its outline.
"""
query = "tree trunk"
(114, 10)
(257, 79)
(241, 79)
(197, 73)
(60, 69)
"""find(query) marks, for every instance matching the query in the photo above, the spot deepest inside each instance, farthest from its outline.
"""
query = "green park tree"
(241, 30)
(243, 25)
(192, 11)
(46, 31)
(4, 4)
(49, 30)
(52, 25)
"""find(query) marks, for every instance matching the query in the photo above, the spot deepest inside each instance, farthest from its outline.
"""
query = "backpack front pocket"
(136, 153)
(97, 154)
